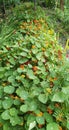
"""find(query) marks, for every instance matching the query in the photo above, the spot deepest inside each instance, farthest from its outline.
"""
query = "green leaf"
(43, 70)
(43, 98)
(39, 56)
(24, 108)
(5, 115)
(32, 106)
(1, 120)
(65, 90)
(35, 91)
(22, 93)
(19, 70)
(9, 89)
(34, 51)
(38, 45)
(58, 97)
(11, 79)
(48, 117)
(6, 126)
(12, 61)
(2, 69)
(36, 80)
(16, 102)
(8, 73)
(40, 120)
(7, 103)
(13, 111)
(1, 75)
(44, 84)
(30, 119)
(15, 120)
(52, 126)
(32, 125)
(23, 60)
(37, 112)
(23, 54)
(31, 74)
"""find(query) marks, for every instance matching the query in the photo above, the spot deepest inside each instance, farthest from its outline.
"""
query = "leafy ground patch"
(34, 75)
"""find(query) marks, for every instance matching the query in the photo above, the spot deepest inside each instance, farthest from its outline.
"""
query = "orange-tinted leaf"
(35, 68)
(49, 110)
(57, 105)
(40, 126)
(35, 21)
(33, 46)
(39, 114)
(60, 128)
(59, 54)
(8, 48)
(43, 49)
(22, 66)
(51, 84)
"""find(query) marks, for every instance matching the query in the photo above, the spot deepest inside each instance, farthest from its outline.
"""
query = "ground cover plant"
(34, 75)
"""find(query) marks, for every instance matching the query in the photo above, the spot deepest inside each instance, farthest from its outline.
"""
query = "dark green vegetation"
(34, 72)
(58, 18)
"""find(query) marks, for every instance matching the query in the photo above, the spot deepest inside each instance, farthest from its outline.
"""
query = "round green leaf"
(52, 126)
(11, 79)
(19, 70)
(13, 111)
(35, 91)
(9, 89)
(43, 98)
(48, 117)
(36, 80)
(24, 108)
(65, 90)
(15, 120)
(5, 115)
(33, 106)
(23, 54)
(16, 102)
(40, 120)
(30, 119)
(58, 97)
(30, 74)
(7, 103)
(12, 61)
(22, 93)
(23, 60)
(34, 51)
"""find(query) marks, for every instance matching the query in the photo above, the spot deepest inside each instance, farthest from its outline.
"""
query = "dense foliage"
(34, 74)
(45, 3)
